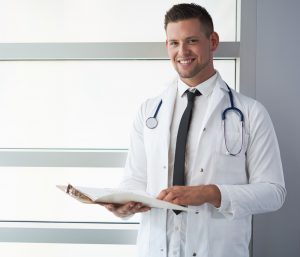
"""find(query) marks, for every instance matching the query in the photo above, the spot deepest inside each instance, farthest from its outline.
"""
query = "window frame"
(12, 231)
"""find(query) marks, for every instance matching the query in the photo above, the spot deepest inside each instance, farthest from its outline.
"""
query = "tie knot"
(191, 95)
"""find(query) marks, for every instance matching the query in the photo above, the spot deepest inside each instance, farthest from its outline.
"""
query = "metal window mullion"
(99, 51)
(68, 236)
(62, 158)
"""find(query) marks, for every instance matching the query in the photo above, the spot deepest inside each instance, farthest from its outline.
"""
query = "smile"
(185, 61)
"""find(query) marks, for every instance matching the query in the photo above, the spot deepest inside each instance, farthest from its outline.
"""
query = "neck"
(195, 81)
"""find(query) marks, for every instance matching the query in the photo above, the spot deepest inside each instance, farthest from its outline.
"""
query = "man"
(224, 167)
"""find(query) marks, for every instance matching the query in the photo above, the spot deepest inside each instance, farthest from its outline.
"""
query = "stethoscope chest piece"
(151, 123)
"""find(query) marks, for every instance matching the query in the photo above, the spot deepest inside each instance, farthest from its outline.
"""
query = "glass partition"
(100, 20)
(30, 194)
(79, 104)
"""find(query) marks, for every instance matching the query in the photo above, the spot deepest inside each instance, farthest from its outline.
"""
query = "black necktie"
(179, 163)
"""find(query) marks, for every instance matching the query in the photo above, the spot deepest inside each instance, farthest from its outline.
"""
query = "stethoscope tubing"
(157, 109)
(152, 122)
(232, 107)
(240, 113)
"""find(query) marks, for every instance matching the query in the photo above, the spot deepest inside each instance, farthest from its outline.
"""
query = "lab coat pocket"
(231, 169)
(233, 142)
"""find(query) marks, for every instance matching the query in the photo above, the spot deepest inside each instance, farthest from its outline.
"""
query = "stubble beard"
(192, 73)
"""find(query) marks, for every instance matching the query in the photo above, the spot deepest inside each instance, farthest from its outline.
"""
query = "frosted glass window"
(79, 104)
(59, 250)
(30, 194)
(100, 20)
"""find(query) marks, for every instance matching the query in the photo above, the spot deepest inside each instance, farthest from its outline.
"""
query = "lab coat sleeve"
(135, 174)
(266, 189)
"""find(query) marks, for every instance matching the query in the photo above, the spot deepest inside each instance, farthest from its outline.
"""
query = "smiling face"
(191, 50)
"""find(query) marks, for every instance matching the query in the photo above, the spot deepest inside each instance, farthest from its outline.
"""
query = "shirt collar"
(205, 87)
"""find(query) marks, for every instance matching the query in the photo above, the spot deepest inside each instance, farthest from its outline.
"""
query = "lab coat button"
(165, 167)
(204, 129)
(161, 249)
(196, 212)
(194, 254)
(201, 170)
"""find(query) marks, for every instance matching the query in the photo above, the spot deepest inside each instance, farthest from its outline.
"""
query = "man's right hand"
(125, 210)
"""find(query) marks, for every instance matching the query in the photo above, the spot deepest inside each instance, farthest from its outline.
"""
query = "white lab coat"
(251, 182)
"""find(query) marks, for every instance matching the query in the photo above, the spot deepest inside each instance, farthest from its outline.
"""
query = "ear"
(214, 41)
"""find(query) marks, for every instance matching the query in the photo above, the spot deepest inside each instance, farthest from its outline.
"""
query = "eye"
(193, 41)
(173, 43)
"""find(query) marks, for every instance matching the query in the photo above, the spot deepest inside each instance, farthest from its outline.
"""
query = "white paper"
(121, 196)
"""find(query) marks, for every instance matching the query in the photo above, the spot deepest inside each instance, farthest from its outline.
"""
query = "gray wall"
(276, 61)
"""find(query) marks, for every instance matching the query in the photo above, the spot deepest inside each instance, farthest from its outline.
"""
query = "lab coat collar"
(205, 88)
(169, 97)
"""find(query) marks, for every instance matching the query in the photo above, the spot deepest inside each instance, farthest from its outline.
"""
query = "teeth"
(185, 61)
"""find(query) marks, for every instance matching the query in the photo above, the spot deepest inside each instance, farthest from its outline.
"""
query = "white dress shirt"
(176, 224)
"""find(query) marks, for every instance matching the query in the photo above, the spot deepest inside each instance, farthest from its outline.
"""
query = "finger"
(177, 201)
(170, 196)
(144, 209)
(162, 194)
(137, 207)
(127, 208)
(110, 207)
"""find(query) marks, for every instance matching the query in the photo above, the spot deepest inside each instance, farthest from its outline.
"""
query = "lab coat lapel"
(216, 98)
(165, 120)
(168, 98)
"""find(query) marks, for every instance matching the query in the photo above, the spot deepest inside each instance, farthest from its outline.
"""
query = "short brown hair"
(181, 12)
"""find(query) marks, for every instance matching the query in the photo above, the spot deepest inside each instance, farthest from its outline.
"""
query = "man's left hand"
(192, 195)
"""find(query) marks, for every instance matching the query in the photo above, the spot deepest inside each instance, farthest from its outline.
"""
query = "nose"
(183, 49)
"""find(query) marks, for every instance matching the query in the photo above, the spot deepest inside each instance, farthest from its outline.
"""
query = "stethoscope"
(236, 110)
(152, 122)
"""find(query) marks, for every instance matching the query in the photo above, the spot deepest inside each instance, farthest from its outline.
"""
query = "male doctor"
(224, 170)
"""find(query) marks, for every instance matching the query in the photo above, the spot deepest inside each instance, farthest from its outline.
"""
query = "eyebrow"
(192, 37)
(188, 38)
